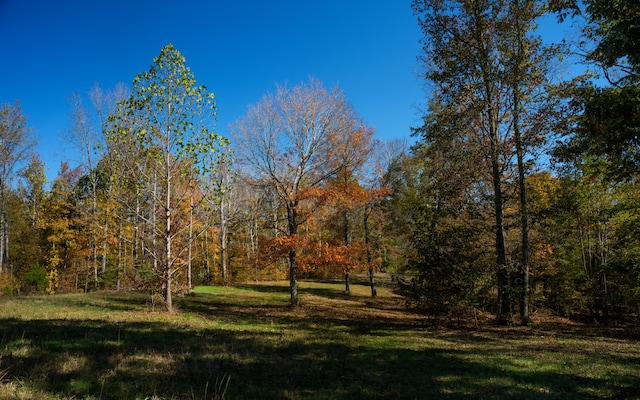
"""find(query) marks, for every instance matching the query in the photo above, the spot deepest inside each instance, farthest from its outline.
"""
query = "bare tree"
(16, 142)
(87, 133)
(293, 141)
(221, 193)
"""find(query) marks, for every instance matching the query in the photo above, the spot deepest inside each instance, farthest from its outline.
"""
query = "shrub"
(37, 277)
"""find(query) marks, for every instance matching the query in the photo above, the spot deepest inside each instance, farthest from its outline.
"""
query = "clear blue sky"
(239, 49)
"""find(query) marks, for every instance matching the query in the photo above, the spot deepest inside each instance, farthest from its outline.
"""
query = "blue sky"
(239, 49)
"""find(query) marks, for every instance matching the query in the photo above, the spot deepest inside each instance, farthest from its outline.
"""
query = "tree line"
(519, 193)
(162, 202)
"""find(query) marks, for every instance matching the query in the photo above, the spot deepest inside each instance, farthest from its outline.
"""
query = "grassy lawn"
(245, 342)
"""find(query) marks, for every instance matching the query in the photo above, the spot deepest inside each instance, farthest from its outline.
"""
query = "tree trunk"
(292, 216)
(121, 244)
(524, 223)
(93, 224)
(504, 305)
(167, 240)
(345, 218)
(105, 238)
(206, 254)
(372, 283)
(154, 226)
(190, 240)
(293, 282)
(136, 237)
(223, 242)
(3, 228)
(346, 283)
(518, 78)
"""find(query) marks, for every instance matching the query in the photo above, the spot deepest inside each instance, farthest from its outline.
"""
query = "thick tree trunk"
(293, 282)
(346, 283)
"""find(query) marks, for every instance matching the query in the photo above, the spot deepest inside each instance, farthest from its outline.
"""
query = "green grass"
(245, 342)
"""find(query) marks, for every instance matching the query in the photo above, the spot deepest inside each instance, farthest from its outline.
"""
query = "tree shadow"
(142, 359)
(271, 351)
(262, 288)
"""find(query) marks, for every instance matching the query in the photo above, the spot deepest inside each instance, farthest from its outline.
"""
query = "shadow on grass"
(262, 288)
(109, 301)
(269, 351)
(336, 291)
(142, 359)
(306, 317)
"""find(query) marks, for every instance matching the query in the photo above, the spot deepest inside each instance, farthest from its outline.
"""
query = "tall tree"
(62, 232)
(33, 184)
(377, 188)
(221, 182)
(84, 137)
(87, 135)
(462, 58)
(290, 140)
(16, 141)
(534, 111)
(172, 121)
(28, 218)
(606, 123)
(489, 80)
(348, 193)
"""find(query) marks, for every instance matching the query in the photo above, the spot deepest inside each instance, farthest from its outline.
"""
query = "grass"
(245, 342)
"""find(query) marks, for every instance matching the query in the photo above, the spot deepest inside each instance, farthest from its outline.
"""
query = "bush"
(8, 284)
(37, 277)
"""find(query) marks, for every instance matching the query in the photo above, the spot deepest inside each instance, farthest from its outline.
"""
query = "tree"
(606, 123)
(605, 126)
(171, 119)
(438, 207)
(615, 34)
(26, 230)
(377, 189)
(601, 148)
(534, 113)
(16, 142)
(87, 134)
(291, 142)
(489, 75)
(32, 186)
(462, 57)
(347, 195)
(221, 182)
(63, 234)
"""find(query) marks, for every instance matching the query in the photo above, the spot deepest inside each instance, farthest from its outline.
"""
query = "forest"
(520, 193)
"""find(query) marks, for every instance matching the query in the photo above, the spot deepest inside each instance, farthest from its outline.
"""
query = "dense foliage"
(478, 215)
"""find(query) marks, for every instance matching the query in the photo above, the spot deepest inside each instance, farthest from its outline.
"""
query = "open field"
(245, 342)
